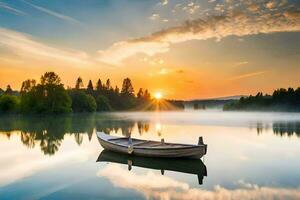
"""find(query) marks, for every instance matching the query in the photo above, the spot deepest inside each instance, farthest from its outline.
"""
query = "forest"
(49, 96)
(281, 100)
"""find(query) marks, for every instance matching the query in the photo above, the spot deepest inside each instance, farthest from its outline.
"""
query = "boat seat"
(124, 141)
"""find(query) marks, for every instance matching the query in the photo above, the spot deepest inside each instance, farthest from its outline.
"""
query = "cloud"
(26, 47)
(128, 180)
(232, 22)
(163, 71)
(154, 186)
(191, 7)
(246, 75)
(253, 7)
(19, 162)
(122, 50)
(54, 14)
(271, 4)
(154, 16)
(241, 63)
(11, 9)
(292, 14)
(180, 71)
(164, 2)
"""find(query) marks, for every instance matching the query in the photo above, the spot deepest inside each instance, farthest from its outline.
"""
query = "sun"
(157, 95)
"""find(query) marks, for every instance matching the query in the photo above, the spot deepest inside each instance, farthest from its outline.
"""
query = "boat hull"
(193, 151)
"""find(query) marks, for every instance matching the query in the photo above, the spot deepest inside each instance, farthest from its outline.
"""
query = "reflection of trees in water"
(260, 128)
(126, 127)
(48, 132)
(113, 126)
(286, 128)
(280, 128)
(143, 127)
(28, 139)
(82, 124)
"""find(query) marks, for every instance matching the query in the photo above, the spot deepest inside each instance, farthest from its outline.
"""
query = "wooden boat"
(148, 148)
(188, 166)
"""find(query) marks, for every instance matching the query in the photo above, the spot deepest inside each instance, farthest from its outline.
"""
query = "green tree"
(82, 102)
(91, 103)
(50, 78)
(9, 103)
(103, 103)
(8, 90)
(281, 100)
(49, 96)
(27, 85)
(51, 99)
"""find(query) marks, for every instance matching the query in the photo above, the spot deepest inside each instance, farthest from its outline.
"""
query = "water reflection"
(241, 164)
(153, 186)
(48, 132)
(286, 128)
(188, 166)
(281, 129)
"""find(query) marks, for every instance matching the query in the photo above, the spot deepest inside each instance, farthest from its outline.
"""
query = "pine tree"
(90, 87)
(99, 85)
(147, 95)
(140, 94)
(79, 83)
(127, 88)
(108, 86)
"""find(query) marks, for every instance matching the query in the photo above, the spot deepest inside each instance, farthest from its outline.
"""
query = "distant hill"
(236, 97)
(213, 103)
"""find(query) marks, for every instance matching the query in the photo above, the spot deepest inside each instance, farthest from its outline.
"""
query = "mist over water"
(213, 117)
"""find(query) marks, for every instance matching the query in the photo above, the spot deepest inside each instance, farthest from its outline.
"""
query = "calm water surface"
(250, 156)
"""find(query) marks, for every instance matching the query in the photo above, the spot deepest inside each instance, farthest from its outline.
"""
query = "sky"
(185, 49)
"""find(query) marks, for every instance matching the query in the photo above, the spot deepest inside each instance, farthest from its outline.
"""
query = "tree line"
(50, 96)
(281, 100)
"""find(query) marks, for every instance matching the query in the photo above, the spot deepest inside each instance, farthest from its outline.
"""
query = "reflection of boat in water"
(189, 166)
(148, 148)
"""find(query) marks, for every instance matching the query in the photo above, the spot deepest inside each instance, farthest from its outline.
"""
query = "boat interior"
(144, 143)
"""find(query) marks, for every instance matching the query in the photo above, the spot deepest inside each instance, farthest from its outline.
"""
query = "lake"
(250, 156)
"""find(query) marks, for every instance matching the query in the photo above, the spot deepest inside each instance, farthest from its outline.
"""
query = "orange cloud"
(235, 21)
(246, 75)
